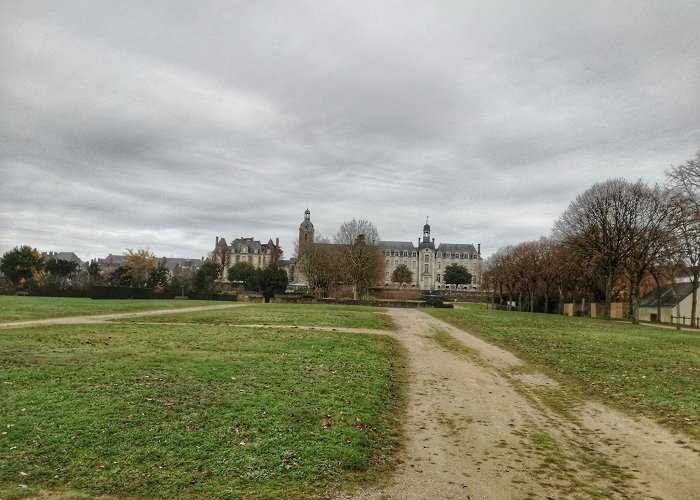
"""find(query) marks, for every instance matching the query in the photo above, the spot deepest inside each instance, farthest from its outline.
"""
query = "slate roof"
(682, 289)
(397, 246)
(69, 256)
(459, 248)
(253, 246)
(172, 262)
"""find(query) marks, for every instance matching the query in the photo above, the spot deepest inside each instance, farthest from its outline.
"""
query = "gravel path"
(477, 428)
(98, 318)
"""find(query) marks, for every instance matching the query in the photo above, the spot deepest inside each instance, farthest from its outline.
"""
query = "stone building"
(427, 262)
(259, 255)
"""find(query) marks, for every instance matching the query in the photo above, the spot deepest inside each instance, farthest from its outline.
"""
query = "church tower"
(306, 233)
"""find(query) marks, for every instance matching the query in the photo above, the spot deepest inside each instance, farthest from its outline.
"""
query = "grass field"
(650, 371)
(13, 308)
(283, 314)
(200, 410)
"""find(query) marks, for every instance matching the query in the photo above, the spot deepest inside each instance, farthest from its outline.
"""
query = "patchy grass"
(339, 316)
(449, 343)
(197, 410)
(13, 308)
(651, 371)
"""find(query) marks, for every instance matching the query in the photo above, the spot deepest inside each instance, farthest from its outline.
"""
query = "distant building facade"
(259, 255)
(426, 261)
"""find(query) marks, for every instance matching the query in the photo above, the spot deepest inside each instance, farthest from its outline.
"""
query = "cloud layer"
(160, 125)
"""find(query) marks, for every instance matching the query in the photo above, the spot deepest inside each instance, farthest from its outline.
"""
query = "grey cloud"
(131, 124)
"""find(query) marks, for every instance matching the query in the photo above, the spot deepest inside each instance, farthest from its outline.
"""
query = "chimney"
(433, 241)
(478, 250)
(217, 241)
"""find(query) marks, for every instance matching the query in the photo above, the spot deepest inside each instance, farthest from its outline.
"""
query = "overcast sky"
(161, 125)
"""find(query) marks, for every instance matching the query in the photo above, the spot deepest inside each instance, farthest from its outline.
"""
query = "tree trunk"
(634, 297)
(694, 306)
(561, 300)
(608, 294)
(657, 281)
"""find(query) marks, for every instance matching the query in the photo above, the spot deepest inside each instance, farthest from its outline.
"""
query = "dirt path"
(478, 427)
(98, 318)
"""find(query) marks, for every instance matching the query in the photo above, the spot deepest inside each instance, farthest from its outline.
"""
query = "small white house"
(665, 297)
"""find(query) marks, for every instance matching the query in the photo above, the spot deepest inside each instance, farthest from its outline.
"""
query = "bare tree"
(668, 266)
(324, 266)
(647, 233)
(548, 267)
(685, 221)
(350, 230)
(598, 223)
(365, 266)
(685, 179)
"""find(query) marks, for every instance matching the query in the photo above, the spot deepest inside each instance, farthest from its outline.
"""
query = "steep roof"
(397, 246)
(172, 262)
(252, 246)
(69, 256)
(667, 300)
(460, 248)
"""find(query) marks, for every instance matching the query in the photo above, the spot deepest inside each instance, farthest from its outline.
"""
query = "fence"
(682, 320)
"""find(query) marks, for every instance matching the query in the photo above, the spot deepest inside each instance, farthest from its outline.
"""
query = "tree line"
(612, 239)
(26, 269)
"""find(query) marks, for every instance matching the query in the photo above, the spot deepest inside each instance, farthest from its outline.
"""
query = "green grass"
(646, 370)
(196, 410)
(13, 308)
(284, 314)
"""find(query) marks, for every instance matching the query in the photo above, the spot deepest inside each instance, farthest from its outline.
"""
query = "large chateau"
(426, 261)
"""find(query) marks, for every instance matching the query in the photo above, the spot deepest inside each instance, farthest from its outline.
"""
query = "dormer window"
(456, 256)
(405, 253)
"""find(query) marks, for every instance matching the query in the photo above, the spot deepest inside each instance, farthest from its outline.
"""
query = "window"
(438, 278)
(414, 264)
(414, 254)
(439, 255)
(456, 256)
(426, 268)
(387, 262)
(405, 253)
(427, 257)
(439, 267)
(396, 262)
(396, 253)
(388, 253)
(448, 255)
